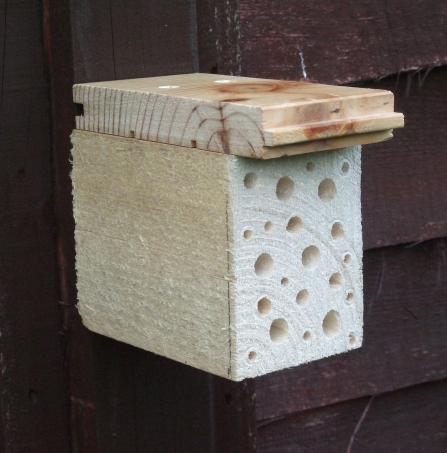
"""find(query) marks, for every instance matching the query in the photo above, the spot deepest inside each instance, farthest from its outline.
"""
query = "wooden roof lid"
(250, 117)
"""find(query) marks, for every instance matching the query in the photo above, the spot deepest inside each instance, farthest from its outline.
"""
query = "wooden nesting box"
(208, 230)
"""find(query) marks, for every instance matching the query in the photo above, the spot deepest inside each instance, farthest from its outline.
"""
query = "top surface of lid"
(259, 118)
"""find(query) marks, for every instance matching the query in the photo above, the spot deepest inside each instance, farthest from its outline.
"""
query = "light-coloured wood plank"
(236, 266)
(233, 115)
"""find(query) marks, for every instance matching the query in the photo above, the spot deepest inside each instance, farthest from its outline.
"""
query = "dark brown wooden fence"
(64, 389)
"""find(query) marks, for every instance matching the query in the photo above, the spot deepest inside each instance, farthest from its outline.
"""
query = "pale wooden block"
(258, 118)
(235, 266)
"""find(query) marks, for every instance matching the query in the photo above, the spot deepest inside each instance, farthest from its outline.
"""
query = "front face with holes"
(297, 260)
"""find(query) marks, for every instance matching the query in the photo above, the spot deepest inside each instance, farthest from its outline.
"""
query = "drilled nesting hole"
(252, 356)
(347, 259)
(306, 336)
(268, 226)
(310, 166)
(302, 298)
(327, 190)
(248, 234)
(345, 167)
(264, 266)
(279, 330)
(349, 297)
(335, 282)
(337, 231)
(331, 324)
(311, 257)
(285, 188)
(295, 225)
(131, 134)
(251, 180)
(264, 306)
(285, 282)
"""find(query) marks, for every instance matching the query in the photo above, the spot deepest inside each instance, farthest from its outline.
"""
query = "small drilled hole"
(327, 190)
(331, 324)
(306, 336)
(349, 297)
(337, 231)
(335, 282)
(352, 339)
(285, 281)
(311, 257)
(347, 259)
(302, 298)
(268, 226)
(295, 225)
(248, 234)
(264, 306)
(250, 180)
(264, 266)
(279, 330)
(252, 356)
(169, 87)
(345, 167)
(310, 166)
(285, 188)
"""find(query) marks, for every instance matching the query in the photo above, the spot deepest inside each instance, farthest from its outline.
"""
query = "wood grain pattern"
(152, 247)
(234, 115)
(164, 261)
(412, 420)
(320, 41)
(404, 195)
(33, 400)
(404, 336)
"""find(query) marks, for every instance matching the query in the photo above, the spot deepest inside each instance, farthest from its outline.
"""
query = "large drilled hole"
(264, 266)
(302, 298)
(285, 188)
(335, 282)
(264, 306)
(337, 231)
(279, 330)
(295, 225)
(327, 190)
(250, 180)
(331, 324)
(311, 257)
